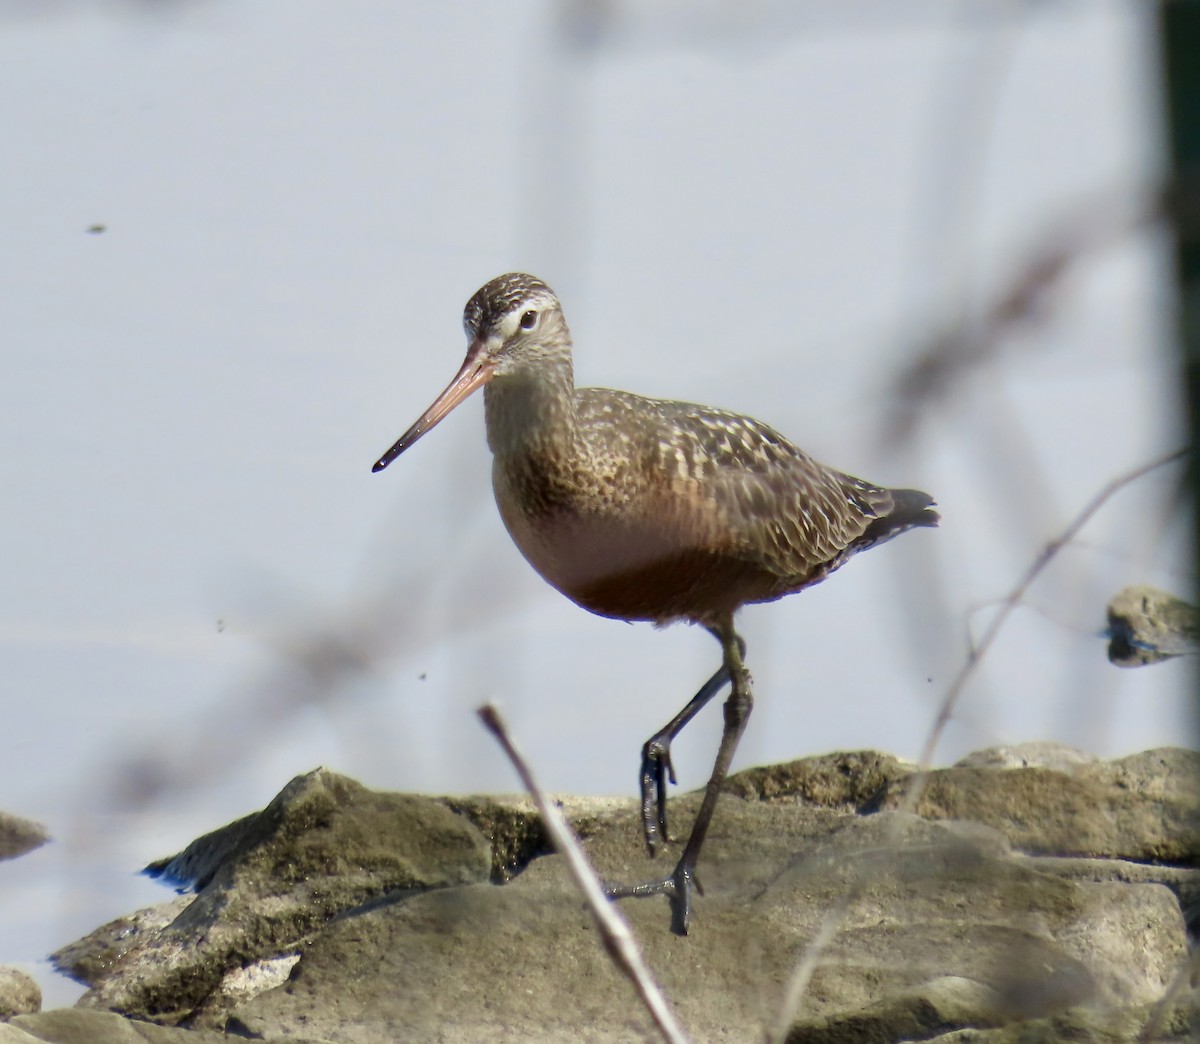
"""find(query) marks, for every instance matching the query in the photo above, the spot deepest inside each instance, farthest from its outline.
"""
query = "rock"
(18, 836)
(1146, 625)
(1144, 807)
(19, 994)
(1055, 756)
(93, 958)
(936, 927)
(71, 1026)
(325, 845)
(523, 963)
(1184, 882)
(913, 1014)
(841, 780)
(1173, 1021)
(514, 829)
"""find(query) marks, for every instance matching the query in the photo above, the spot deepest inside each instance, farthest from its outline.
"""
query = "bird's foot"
(656, 771)
(677, 887)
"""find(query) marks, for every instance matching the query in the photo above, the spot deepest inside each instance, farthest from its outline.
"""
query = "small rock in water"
(1146, 625)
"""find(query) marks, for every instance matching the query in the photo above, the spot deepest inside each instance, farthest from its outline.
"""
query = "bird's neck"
(530, 412)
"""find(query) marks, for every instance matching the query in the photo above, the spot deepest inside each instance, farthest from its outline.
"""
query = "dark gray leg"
(678, 886)
(656, 758)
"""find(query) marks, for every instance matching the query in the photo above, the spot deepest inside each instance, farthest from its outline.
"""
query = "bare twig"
(614, 931)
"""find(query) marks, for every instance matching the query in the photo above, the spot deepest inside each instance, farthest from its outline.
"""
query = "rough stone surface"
(514, 829)
(527, 965)
(1143, 807)
(93, 958)
(912, 1014)
(997, 914)
(843, 780)
(18, 836)
(1028, 755)
(325, 845)
(19, 994)
(1146, 625)
(1174, 1020)
(72, 1026)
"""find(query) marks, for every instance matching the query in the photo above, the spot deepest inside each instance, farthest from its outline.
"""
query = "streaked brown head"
(513, 321)
(494, 300)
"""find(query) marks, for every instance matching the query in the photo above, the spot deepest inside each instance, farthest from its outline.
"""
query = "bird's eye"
(529, 320)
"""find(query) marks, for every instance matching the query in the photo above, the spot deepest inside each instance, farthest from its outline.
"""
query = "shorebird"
(649, 509)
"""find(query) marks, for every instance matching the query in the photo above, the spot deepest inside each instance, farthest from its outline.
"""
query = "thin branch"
(614, 931)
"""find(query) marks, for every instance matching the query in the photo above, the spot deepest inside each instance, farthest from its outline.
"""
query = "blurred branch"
(1025, 299)
(1028, 297)
(789, 1011)
(614, 931)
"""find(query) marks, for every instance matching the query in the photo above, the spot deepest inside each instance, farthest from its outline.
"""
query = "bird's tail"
(910, 508)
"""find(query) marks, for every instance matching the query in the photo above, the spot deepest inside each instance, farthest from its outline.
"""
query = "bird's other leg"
(678, 886)
(657, 767)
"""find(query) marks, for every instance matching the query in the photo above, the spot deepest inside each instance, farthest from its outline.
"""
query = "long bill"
(476, 371)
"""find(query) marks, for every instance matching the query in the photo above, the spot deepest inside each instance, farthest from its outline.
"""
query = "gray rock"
(913, 1014)
(941, 929)
(1184, 882)
(1143, 807)
(1055, 756)
(18, 836)
(325, 845)
(19, 994)
(843, 780)
(1175, 1021)
(514, 829)
(1146, 625)
(71, 1026)
(523, 963)
(92, 959)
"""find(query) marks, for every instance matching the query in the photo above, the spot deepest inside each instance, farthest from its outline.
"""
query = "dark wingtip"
(913, 508)
(379, 465)
(910, 508)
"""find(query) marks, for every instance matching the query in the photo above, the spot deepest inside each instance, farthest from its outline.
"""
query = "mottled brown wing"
(751, 491)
